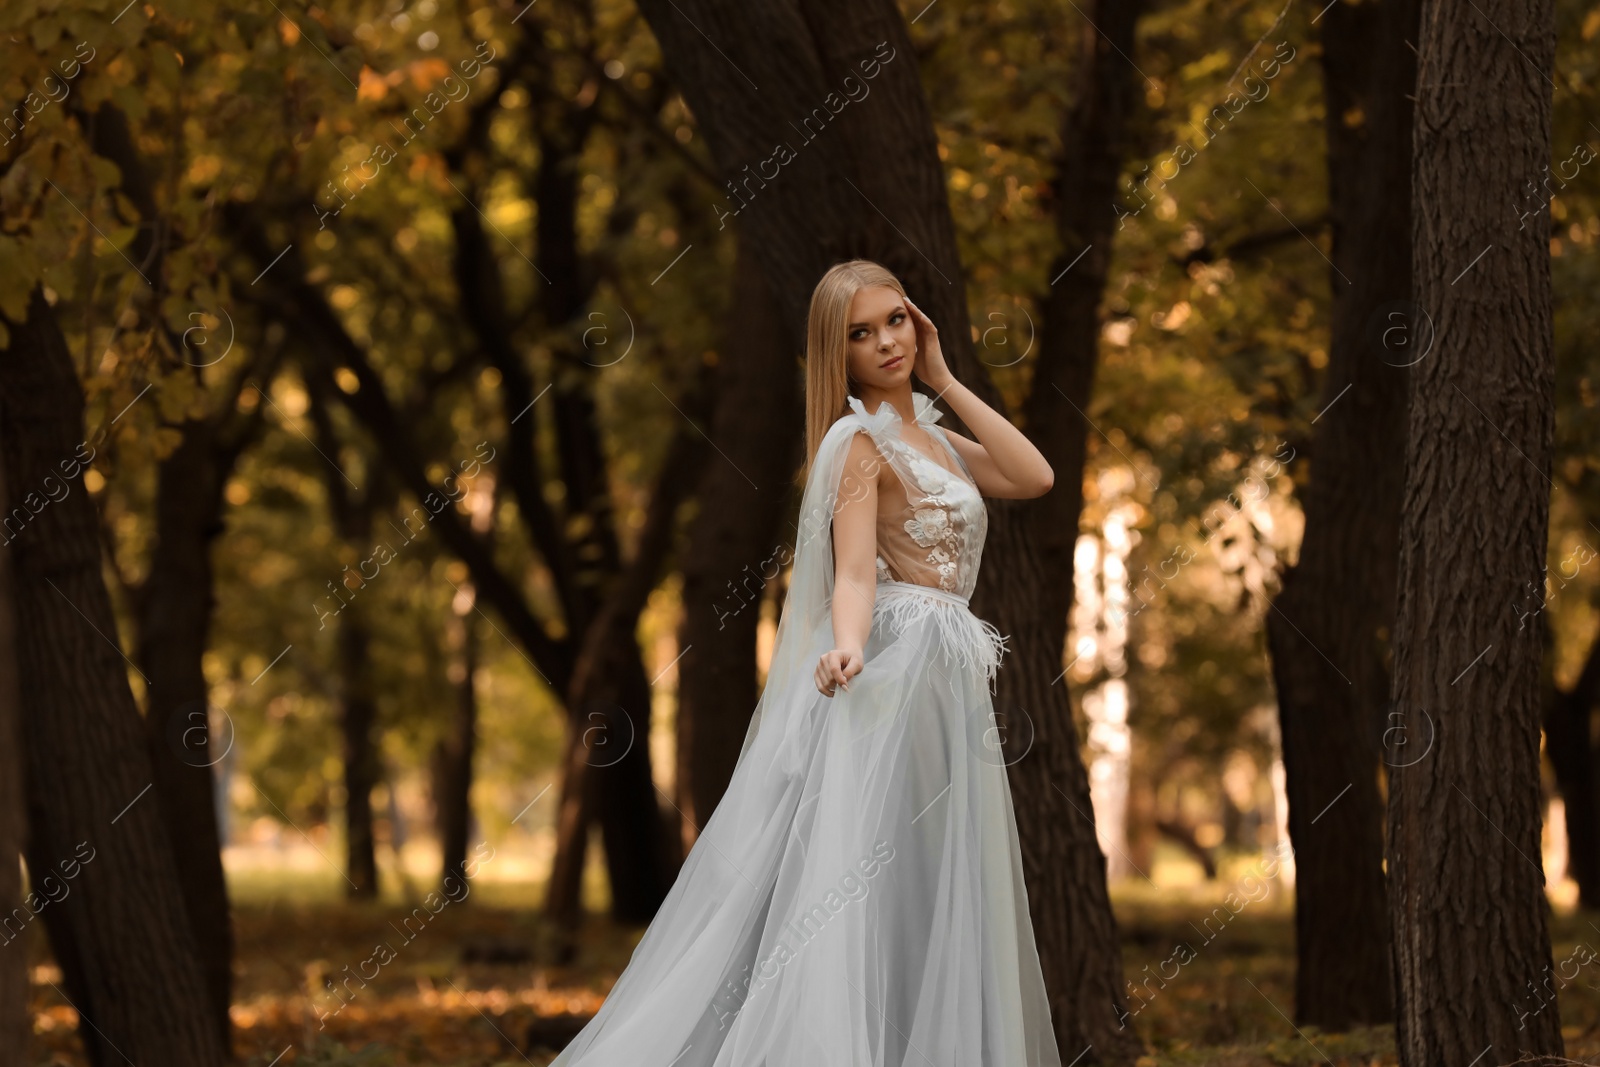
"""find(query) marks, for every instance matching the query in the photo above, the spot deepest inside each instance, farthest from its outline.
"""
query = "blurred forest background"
(420, 381)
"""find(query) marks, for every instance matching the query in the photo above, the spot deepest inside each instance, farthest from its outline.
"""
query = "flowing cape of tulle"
(856, 899)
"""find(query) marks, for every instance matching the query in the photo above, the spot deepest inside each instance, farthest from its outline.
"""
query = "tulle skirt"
(856, 899)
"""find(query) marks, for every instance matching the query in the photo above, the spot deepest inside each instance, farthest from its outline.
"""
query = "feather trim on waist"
(969, 640)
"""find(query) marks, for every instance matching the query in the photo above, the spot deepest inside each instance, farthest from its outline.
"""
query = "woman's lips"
(892, 364)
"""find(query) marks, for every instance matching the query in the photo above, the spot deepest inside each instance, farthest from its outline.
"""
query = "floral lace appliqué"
(928, 526)
(931, 528)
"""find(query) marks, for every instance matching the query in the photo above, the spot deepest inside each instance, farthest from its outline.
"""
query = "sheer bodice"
(930, 530)
(931, 526)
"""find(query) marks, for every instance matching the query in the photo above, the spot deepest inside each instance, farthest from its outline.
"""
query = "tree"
(1328, 635)
(121, 936)
(352, 511)
(730, 550)
(1030, 587)
(174, 605)
(1467, 909)
(529, 330)
(175, 601)
(451, 761)
(16, 1028)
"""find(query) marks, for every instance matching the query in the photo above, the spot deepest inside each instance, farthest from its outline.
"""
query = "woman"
(856, 899)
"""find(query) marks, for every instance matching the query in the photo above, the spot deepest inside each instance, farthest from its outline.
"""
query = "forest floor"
(466, 987)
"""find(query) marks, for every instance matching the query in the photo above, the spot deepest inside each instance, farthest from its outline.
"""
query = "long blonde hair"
(827, 365)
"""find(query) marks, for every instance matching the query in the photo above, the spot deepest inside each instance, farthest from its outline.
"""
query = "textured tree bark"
(731, 549)
(1328, 635)
(16, 1023)
(121, 935)
(805, 200)
(1467, 909)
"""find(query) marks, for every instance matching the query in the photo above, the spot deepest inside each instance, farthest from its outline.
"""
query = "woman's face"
(881, 340)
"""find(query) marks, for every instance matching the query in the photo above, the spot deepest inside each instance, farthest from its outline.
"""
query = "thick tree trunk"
(1032, 590)
(1468, 913)
(1327, 634)
(16, 1023)
(121, 936)
(732, 548)
(175, 607)
(763, 72)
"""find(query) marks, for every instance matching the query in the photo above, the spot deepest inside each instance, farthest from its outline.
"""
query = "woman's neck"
(900, 398)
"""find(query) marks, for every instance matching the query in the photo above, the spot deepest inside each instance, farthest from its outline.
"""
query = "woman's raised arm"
(1003, 461)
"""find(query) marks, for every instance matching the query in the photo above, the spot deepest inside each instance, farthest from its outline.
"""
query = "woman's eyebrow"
(897, 307)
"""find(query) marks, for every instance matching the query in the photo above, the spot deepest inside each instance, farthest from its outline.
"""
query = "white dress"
(856, 899)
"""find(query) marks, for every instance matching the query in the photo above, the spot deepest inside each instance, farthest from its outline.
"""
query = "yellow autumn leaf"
(426, 73)
(373, 86)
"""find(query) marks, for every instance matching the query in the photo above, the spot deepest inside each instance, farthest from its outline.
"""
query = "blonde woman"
(856, 899)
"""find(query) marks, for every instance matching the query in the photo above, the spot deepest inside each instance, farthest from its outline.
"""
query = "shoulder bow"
(886, 418)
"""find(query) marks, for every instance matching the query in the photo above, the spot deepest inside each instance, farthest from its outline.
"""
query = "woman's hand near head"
(930, 365)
